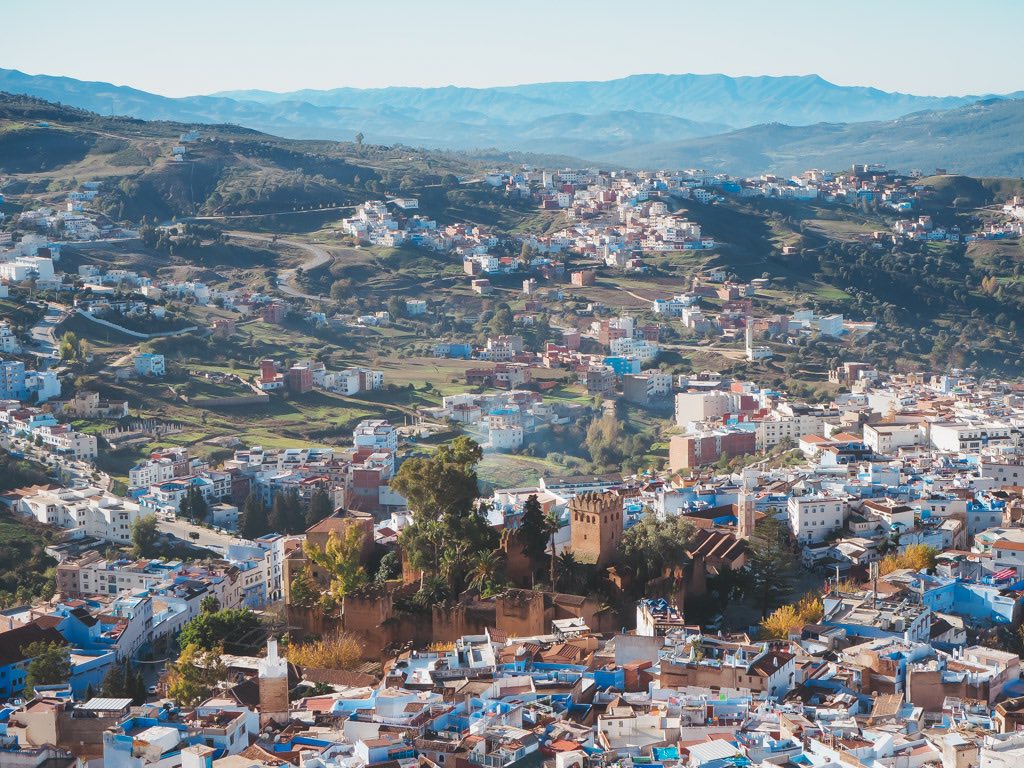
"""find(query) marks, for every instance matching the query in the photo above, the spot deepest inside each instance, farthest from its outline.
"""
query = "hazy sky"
(935, 47)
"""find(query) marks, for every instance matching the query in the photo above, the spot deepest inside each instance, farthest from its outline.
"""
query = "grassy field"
(499, 470)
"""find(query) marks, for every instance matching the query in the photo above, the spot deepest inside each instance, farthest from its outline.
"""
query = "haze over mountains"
(742, 125)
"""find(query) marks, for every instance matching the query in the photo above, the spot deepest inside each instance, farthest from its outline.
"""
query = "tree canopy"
(449, 528)
(49, 664)
(653, 544)
(286, 513)
(340, 557)
(195, 674)
(770, 564)
(253, 522)
(237, 630)
(124, 681)
(193, 505)
(534, 532)
(916, 557)
(320, 507)
(145, 537)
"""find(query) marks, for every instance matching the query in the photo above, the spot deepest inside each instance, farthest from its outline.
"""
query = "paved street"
(80, 472)
(43, 332)
(210, 539)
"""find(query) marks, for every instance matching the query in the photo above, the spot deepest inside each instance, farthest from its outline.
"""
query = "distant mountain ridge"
(641, 120)
(735, 102)
(979, 139)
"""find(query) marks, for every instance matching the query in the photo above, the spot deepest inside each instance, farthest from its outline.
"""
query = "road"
(43, 332)
(210, 539)
(318, 256)
(72, 471)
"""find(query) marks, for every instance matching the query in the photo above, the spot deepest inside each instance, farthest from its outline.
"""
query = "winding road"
(318, 256)
(43, 332)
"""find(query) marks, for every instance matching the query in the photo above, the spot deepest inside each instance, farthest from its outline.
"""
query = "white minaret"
(273, 681)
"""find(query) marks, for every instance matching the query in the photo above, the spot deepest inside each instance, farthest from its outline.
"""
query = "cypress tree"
(254, 518)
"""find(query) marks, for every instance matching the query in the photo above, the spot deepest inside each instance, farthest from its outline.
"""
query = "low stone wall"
(226, 402)
(130, 332)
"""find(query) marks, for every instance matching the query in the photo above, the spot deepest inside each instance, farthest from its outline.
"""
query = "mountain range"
(737, 124)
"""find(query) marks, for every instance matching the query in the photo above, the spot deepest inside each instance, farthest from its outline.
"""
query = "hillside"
(744, 123)
(231, 170)
(924, 305)
(981, 139)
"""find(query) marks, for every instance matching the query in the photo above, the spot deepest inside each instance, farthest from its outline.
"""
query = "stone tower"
(596, 526)
(273, 680)
(745, 515)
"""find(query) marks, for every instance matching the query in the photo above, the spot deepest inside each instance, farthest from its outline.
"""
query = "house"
(583, 277)
(814, 517)
(299, 379)
(13, 659)
(88, 405)
(708, 446)
(149, 364)
(274, 312)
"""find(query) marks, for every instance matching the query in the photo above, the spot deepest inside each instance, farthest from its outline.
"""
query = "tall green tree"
(236, 630)
(652, 544)
(303, 591)
(195, 675)
(320, 507)
(295, 513)
(486, 570)
(193, 505)
(277, 518)
(501, 321)
(569, 576)
(444, 484)
(770, 565)
(124, 681)
(390, 567)
(145, 537)
(49, 664)
(449, 525)
(199, 509)
(209, 604)
(340, 557)
(534, 533)
(254, 522)
(113, 685)
(604, 440)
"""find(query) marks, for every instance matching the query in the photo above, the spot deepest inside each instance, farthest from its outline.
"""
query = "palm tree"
(568, 572)
(433, 591)
(486, 569)
(452, 565)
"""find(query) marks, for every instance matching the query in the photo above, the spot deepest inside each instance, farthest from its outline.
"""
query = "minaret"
(745, 513)
(273, 681)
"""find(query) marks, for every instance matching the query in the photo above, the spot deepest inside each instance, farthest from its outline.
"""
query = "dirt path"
(317, 257)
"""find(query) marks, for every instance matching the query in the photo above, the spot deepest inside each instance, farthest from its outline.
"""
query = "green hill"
(230, 170)
(981, 139)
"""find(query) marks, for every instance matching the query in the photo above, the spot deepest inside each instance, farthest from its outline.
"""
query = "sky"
(927, 47)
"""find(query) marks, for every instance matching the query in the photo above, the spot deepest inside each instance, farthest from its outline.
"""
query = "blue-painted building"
(622, 365)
